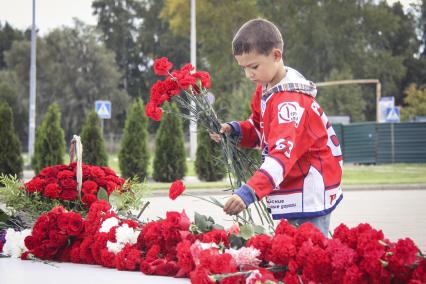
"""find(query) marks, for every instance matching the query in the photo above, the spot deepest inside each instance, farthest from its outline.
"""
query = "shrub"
(10, 147)
(134, 156)
(169, 161)
(94, 152)
(50, 141)
(208, 163)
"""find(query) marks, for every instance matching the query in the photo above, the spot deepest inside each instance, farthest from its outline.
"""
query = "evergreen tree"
(208, 164)
(134, 156)
(94, 152)
(10, 147)
(50, 142)
(169, 161)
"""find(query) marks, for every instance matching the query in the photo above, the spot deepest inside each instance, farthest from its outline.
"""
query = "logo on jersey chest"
(290, 112)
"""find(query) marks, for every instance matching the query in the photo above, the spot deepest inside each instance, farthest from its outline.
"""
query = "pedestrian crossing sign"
(103, 109)
(393, 114)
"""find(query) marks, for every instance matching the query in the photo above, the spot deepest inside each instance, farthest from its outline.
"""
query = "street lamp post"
(193, 124)
(32, 103)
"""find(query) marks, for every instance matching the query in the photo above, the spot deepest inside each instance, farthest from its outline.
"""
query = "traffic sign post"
(103, 109)
(393, 114)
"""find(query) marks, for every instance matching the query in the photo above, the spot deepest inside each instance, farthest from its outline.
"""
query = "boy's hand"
(234, 205)
(225, 128)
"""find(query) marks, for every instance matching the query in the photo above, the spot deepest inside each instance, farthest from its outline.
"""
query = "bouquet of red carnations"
(59, 183)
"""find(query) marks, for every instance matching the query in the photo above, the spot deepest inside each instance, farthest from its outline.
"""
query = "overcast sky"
(55, 13)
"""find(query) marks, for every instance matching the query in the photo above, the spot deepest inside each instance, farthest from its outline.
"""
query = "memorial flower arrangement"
(57, 185)
(206, 253)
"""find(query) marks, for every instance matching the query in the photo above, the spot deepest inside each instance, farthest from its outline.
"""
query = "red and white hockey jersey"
(302, 159)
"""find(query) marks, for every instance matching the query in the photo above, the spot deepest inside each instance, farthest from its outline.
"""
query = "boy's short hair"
(259, 35)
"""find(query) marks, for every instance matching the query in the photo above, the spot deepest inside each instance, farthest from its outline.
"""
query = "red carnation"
(97, 172)
(68, 184)
(204, 78)
(49, 172)
(89, 187)
(176, 189)
(262, 243)
(283, 249)
(285, 228)
(65, 174)
(35, 185)
(52, 190)
(162, 66)
(184, 257)
(153, 112)
(88, 199)
(68, 194)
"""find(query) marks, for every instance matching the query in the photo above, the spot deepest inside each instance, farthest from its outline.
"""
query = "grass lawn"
(352, 175)
(384, 174)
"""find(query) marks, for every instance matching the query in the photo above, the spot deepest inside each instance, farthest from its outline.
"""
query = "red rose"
(162, 66)
(52, 190)
(176, 189)
(153, 112)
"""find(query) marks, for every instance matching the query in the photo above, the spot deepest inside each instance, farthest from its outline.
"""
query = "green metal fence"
(383, 142)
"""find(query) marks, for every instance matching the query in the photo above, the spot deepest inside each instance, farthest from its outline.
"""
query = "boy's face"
(259, 68)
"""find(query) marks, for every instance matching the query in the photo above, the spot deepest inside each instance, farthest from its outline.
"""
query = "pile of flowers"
(175, 247)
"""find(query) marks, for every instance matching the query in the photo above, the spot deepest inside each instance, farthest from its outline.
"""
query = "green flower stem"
(217, 204)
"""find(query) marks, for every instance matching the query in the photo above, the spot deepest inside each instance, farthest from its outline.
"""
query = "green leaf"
(202, 222)
(258, 229)
(102, 194)
(3, 216)
(246, 231)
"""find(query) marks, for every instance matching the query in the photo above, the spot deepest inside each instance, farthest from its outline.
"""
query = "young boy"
(302, 160)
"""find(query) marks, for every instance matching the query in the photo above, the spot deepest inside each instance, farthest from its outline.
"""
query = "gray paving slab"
(397, 213)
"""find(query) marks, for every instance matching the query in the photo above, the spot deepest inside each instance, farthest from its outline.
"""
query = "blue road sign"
(103, 109)
(393, 114)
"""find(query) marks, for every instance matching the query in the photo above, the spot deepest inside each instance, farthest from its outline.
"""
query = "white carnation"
(115, 247)
(15, 242)
(108, 224)
(125, 234)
